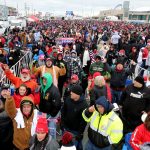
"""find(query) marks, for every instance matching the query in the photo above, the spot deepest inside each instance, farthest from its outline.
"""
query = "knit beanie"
(66, 138)
(5, 87)
(140, 80)
(42, 125)
(77, 89)
(96, 74)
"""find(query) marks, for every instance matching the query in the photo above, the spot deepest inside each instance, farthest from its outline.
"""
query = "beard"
(25, 79)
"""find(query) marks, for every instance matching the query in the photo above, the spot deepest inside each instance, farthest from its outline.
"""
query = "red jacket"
(139, 137)
(18, 98)
(17, 81)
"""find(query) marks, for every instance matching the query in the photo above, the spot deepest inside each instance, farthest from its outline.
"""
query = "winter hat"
(103, 102)
(66, 138)
(96, 74)
(140, 80)
(77, 89)
(42, 125)
(74, 77)
(5, 87)
(26, 100)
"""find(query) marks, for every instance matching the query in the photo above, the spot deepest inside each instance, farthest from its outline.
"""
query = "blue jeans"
(116, 96)
(52, 125)
(91, 146)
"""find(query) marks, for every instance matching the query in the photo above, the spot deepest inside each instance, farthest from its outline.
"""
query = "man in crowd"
(135, 100)
(71, 115)
(105, 128)
(6, 128)
(25, 78)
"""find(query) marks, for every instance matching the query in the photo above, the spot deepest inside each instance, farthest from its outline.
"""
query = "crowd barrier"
(24, 61)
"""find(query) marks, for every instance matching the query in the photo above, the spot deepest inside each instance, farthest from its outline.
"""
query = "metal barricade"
(25, 60)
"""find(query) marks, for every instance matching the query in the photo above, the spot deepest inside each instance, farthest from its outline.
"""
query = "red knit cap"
(42, 125)
(96, 74)
(66, 138)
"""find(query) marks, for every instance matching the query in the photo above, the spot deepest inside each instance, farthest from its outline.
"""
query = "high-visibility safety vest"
(108, 125)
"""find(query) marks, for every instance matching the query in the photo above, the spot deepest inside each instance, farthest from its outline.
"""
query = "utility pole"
(25, 6)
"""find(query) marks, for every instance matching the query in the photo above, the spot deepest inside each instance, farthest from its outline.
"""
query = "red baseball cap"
(74, 77)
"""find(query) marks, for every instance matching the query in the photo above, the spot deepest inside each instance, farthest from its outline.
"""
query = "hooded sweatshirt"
(50, 101)
(21, 136)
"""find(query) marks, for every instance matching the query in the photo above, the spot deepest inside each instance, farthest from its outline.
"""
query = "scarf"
(20, 121)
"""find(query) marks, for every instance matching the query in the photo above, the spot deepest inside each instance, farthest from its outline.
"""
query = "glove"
(79, 137)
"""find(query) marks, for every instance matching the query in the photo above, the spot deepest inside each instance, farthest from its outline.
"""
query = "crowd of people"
(84, 73)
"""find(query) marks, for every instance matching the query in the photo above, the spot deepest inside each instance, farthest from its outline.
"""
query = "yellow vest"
(108, 125)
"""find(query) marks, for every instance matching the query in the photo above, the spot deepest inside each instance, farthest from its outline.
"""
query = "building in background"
(123, 12)
(6, 11)
(12, 11)
(3, 13)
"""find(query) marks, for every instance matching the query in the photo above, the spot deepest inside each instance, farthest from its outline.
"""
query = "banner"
(61, 41)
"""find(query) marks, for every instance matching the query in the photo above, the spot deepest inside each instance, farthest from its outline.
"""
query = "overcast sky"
(82, 7)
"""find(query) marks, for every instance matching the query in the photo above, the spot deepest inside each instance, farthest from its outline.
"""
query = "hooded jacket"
(71, 114)
(50, 101)
(105, 129)
(134, 101)
(53, 70)
(21, 136)
(140, 136)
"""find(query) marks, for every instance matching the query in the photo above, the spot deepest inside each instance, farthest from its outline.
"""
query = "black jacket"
(6, 131)
(97, 92)
(110, 55)
(51, 103)
(134, 101)
(71, 114)
(118, 79)
(2, 59)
